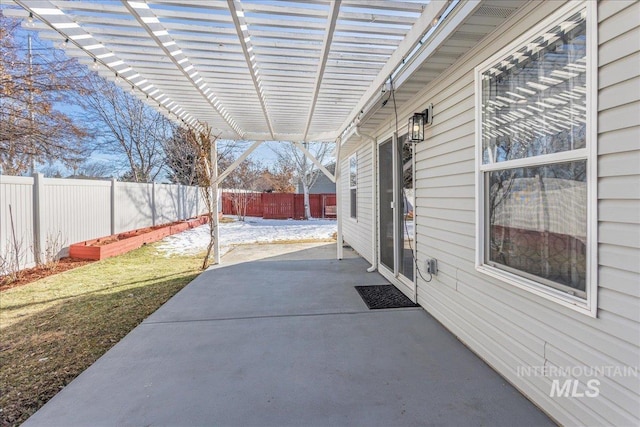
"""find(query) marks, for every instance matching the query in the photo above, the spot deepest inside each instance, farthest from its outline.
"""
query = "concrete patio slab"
(287, 341)
(309, 281)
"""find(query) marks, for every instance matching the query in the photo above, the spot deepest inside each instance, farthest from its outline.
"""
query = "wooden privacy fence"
(282, 205)
(253, 203)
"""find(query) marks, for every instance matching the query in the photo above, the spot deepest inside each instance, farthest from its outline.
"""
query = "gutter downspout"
(374, 195)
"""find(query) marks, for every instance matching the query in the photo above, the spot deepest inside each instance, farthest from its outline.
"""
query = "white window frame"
(353, 159)
(589, 305)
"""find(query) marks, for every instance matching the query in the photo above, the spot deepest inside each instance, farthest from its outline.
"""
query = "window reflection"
(538, 223)
(534, 101)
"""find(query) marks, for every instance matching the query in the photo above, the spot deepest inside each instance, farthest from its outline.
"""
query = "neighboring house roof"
(322, 184)
(331, 167)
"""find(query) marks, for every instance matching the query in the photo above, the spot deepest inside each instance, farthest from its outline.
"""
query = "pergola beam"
(151, 19)
(291, 72)
(72, 31)
(315, 161)
(404, 6)
(324, 55)
(429, 17)
(237, 162)
(237, 15)
(324, 136)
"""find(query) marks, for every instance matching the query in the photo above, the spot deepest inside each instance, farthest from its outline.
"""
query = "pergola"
(264, 70)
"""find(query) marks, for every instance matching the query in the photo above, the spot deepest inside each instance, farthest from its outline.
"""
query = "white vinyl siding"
(506, 326)
(618, 162)
(353, 186)
(357, 233)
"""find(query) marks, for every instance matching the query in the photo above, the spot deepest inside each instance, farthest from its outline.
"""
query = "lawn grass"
(53, 329)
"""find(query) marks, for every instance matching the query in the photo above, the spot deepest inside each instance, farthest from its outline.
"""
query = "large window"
(534, 155)
(353, 185)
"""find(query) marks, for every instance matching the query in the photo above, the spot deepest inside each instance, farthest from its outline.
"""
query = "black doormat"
(384, 296)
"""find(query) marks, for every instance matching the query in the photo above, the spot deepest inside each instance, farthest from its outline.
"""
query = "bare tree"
(33, 83)
(51, 170)
(94, 170)
(280, 177)
(305, 171)
(202, 144)
(244, 181)
(181, 155)
(181, 158)
(127, 128)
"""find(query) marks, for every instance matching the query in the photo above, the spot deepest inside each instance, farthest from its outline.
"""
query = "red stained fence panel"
(278, 205)
(283, 205)
(298, 206)
(254, 204)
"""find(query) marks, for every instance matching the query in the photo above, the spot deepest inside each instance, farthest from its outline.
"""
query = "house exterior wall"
(357, 232)
(511, 328)
(323, 185)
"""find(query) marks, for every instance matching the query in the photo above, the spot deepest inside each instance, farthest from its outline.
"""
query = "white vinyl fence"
(38, 213)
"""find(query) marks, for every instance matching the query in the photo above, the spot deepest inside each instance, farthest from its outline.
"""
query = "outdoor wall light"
(417, 123)
(30, 23)
(416, 127)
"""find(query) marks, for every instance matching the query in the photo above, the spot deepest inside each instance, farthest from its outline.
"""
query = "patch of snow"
(408, 228)
(252, 230)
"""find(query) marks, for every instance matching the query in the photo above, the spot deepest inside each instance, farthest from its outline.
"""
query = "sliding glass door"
(396, 211)
(386, 208)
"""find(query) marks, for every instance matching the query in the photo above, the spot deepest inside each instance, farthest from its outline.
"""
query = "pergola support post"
(340, 241)
(214, 191)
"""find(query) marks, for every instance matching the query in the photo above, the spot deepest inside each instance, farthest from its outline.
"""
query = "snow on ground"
(252, 230)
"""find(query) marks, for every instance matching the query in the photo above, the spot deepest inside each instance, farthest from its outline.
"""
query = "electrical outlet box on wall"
(431, 265)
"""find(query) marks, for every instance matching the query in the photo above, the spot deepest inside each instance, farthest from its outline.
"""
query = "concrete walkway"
(287, 341)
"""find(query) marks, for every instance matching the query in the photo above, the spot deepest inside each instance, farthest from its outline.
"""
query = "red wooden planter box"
(127, 241)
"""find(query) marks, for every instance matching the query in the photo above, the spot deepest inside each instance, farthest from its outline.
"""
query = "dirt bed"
(36, 273)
